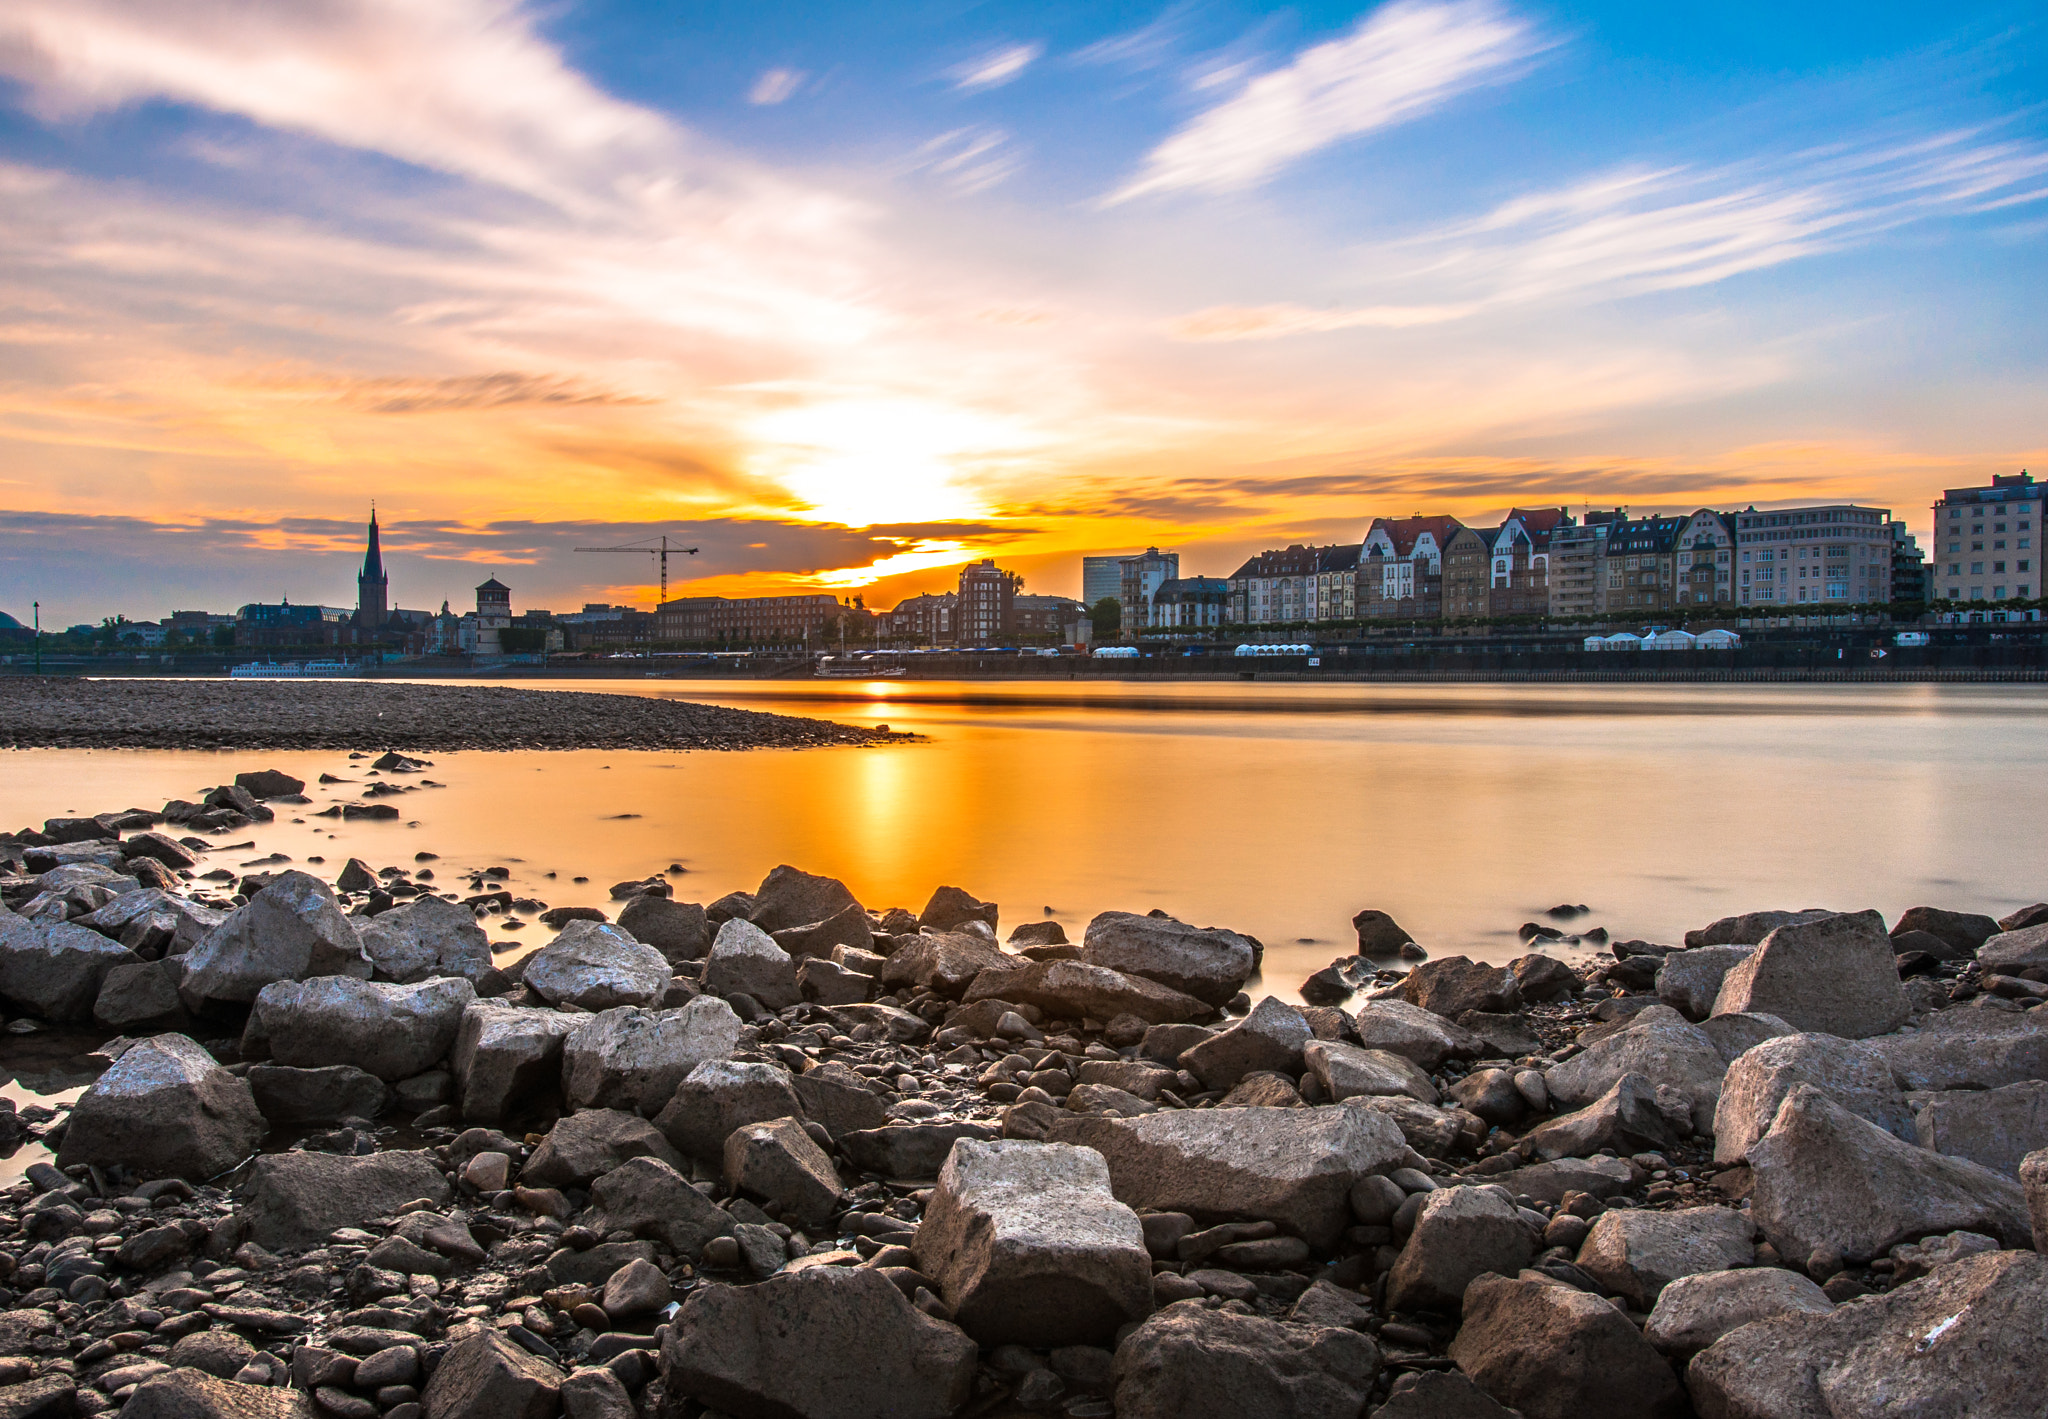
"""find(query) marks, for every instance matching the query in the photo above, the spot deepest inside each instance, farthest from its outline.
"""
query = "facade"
(1519, 580)
(1141, 576)
(987, 605)
(1190, 603)
(1639, 572)
(1102, 576)
(1909, 566)
(1984, 541)
(1468, 573)
(1038, 617)
(735, 621)
(1578, 564)
(1400, 569)
(1705, 564)
(493, 614)
(926, 619)
(1834, 554)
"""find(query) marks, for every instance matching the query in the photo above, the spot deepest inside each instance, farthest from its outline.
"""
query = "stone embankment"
(782, 1154)
(267, 714)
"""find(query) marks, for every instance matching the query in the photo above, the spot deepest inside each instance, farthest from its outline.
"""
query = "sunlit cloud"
(1396, 64)
(1639, 231)
(994, 69)
(776, 86)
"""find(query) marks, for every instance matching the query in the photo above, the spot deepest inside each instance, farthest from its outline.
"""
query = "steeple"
(372, 586)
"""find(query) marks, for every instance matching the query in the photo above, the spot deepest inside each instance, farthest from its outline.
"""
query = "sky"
(847, 295)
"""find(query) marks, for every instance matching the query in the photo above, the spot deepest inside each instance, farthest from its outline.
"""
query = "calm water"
(1278, 810)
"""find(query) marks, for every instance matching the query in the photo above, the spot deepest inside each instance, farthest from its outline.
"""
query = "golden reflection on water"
(1276, 809)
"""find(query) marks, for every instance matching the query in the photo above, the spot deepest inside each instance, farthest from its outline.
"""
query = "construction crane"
(662, 552)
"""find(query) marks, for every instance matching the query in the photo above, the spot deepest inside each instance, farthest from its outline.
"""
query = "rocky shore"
(76, 713)
(783, 1154)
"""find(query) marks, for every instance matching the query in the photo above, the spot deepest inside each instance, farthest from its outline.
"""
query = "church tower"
(372, 586)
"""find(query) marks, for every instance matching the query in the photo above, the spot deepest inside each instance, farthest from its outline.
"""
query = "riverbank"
(786, 1152)
(74, 713)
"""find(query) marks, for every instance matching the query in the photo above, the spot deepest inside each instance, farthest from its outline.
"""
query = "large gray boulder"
(1451, 985)
(721, 1095)
(56, 969)
(165, 1109)
(1292, 1167)
(1692, 1312)
(2011, 952)
(627, 1058)
(1831, 1187)
(504, 1054)
(1347, 1070)
(1028, 1246)
(1188, 1362)
(649, 1198)
(1635, 1253)
(1662, 1047)
(1749, 928)
(427, 936)
(821, 1343)
(1208, 963)
(1968, 1049)
(1075, 990)
(486, 1374)
(595, 967)
(789, 897)
(679, 930)
(1961, 1341)
(1689, 981)
(296, 1199)
(1460, 1233)
(1271, 1037)
(1994, 1127)
(328, 1094)
(1421, 1036)
(291, 930)
(1555, 1352)
(1850, 1072)
(1836, 976)
(745, 960)
(1626, 1119)
(590, 1143)
(392, 1031)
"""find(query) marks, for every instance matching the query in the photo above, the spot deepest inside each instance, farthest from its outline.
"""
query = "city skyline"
(854, 298)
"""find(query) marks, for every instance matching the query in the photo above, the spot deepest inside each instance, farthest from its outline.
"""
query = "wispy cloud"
(1396, 64)
(776, 85)
(1637, 231)
(994, 69)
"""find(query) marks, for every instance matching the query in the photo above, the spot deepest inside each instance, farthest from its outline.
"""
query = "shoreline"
(215, 713)
(337, 1149)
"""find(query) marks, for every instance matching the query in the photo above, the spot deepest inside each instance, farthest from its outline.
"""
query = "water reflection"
(1279, 810)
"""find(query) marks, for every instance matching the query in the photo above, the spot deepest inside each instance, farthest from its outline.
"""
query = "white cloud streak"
(994, 69)
(776, 86)
(1398, 63)
(1635, 232)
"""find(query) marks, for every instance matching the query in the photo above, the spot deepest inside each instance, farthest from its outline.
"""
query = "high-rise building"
(373, 587)
(1834, 553)
(1984, 541)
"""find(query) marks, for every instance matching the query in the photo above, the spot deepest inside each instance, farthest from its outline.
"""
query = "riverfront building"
(1984, 541)
(1799, 556)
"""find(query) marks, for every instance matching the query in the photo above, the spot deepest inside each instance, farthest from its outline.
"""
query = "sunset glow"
(848, 298)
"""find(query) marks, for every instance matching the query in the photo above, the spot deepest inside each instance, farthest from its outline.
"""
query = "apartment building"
(1984, 541)
(1400, 572)
(1834, 553)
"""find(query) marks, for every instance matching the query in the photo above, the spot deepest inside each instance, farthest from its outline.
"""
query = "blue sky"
(1029, 281)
